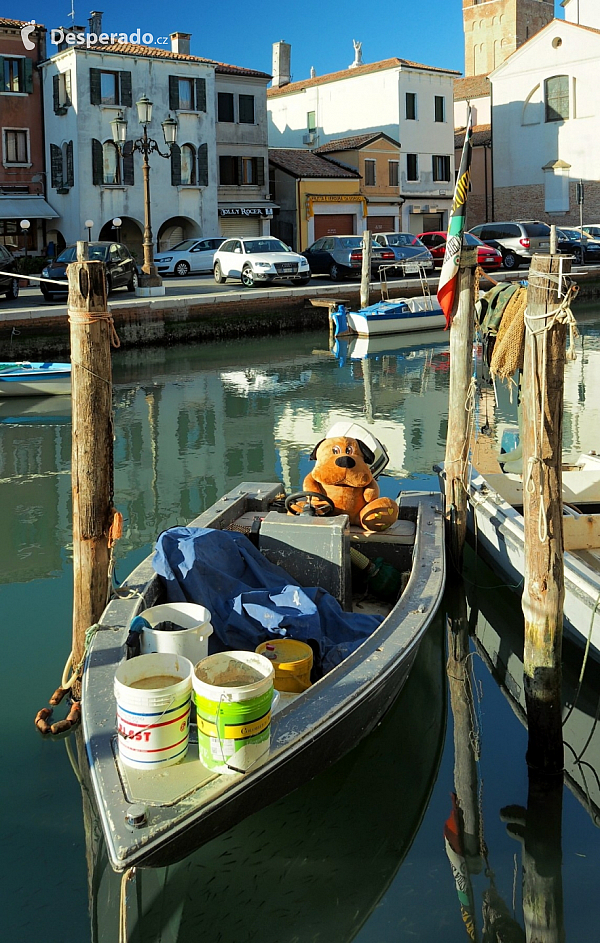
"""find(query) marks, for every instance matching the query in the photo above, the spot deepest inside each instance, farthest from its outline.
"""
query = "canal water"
(368, 851)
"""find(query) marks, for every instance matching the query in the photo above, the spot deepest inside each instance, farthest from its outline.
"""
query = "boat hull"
(368, 324)
(35, 379)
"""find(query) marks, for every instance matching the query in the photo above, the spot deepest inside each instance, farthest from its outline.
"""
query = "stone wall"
(527, 202)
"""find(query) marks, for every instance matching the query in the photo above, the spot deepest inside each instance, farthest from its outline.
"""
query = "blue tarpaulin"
(250, 599)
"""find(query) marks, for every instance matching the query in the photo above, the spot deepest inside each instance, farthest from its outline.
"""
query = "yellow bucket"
(292, 662)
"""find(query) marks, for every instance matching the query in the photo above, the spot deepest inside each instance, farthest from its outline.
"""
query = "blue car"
(584, 250)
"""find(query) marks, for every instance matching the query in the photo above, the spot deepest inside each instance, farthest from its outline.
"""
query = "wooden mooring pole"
(366, 268)
(459, 414)
(544, 590)
(92, 442)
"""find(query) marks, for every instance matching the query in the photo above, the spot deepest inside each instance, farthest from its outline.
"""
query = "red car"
(487, 257)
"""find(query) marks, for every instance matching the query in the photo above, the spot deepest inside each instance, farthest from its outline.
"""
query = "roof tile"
(364, 69)
(302, 163)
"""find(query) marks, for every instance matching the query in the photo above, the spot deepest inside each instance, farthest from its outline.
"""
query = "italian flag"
(456, 226)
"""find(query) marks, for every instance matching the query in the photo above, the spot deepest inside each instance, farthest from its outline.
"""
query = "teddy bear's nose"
(345, 461)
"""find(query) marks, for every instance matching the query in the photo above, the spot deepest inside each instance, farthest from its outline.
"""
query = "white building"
(410, 102)
(546, 121)
(85, 89)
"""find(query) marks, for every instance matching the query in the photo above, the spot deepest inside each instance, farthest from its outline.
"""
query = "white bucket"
(191, 641)
(153, 723)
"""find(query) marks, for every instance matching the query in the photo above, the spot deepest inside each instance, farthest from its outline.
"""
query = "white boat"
(391, 317)
(34, 378)
(495, 519)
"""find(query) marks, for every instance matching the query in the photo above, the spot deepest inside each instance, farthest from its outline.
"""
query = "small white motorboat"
(34, 378)
(390, 317)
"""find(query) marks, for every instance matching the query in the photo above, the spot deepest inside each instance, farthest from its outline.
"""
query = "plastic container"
(233, 694)
(153, 721)
(292, 662)
(191, 641)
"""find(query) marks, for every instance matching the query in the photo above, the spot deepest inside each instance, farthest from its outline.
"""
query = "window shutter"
(200, 94)
(260, 171)
(173, 92)
(70, 175)
(128, 172)
(125, 97)
(56, 93)
(56, 168)
(95, 93)
(28, 75)
(203, 165)
(67, 100)
(175, 165)
(97, 163)
(238, 167)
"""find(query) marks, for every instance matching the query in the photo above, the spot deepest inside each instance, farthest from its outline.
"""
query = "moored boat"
(187, 804)
(390, 317)
(34, 378)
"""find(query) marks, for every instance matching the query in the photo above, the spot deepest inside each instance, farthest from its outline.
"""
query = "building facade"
(22, 168)
(409, 102)
(494, 29)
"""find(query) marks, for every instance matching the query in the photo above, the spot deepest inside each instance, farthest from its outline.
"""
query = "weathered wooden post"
(456, 462)
(366, 268)
(544, 590)
(92, 442)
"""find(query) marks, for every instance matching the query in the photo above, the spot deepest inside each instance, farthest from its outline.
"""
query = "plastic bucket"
(191, 641)
(292, 662)
(233, 693)
(153, 721)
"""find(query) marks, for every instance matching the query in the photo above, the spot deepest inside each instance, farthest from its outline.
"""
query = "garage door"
(240, 226)
(381, 223)
(334, 224)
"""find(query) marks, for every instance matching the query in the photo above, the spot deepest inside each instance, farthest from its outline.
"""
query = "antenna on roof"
(72, 13)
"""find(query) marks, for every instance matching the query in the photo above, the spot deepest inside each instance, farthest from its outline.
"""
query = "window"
(311, 121)
(228, 171)
(16, 75)
(61, 92)
(188, 165)
(241, 171)
(225, 106)
(16, 150)
(246, 104)
(110, 88)
(441, 168)
(110, 164)
(248, 171)
(440, 108)
(412, 166)
(186, 94)
(369, 173)
(393, 178)
(557, 98)
(411, 106)
(109, 168)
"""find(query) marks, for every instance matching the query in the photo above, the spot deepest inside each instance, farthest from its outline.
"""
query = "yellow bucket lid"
(287, 654)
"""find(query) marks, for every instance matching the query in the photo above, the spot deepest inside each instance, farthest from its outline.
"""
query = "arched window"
(556, 96)
(110, 163)
(188, 165)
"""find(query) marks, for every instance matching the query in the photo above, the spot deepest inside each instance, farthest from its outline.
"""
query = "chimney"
(180, 42)
(95, 22)
(282, 56)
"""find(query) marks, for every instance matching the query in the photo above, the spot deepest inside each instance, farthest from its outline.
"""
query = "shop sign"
(265, 211)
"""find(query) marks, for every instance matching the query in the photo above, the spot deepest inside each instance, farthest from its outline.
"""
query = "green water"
(359, 852)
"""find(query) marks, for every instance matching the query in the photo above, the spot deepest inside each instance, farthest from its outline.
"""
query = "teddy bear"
(342, 473)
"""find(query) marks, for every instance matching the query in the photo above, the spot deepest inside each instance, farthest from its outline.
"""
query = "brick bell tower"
(494, 29)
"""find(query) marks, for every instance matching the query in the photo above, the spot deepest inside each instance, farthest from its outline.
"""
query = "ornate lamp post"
(88, 225)
(117, 223)
(25, 224)
(146, 146)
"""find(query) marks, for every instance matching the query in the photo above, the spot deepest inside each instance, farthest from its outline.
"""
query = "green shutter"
(125, 97)
(56, 168)
(70, 181)
(203, 165)
(95, 91)
(56, 93)
(260, 171)
(200, 94)
(173, 92)
(97, 163)
(175, 166)
(28, 76)
(128, 172)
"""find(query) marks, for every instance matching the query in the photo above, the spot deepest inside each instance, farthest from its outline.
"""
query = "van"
(517, 240)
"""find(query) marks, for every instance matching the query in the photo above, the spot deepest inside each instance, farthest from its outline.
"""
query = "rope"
(127, 876)
(35, 278)
(76, 317)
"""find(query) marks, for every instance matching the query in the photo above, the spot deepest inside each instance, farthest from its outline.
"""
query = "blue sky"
(320, 31)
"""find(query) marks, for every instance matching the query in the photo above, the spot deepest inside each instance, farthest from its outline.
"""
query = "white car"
(191, 255)
(261, 259)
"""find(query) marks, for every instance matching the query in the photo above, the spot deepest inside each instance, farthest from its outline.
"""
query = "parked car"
(517, 240)
(584, 249)
(487, 256)
(121, 269)
(259, 259)
(191, 255)
(9, 283)
(340, 256)
(593, 230)
(406, 248)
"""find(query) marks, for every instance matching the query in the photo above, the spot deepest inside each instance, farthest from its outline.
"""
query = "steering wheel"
(309, 509)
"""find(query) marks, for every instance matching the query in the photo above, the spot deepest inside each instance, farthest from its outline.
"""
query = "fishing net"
(507, 356)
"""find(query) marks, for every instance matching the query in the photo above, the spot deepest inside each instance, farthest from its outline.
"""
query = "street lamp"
(117, 223)
(88, 225)
(25, 224)
(146, 146)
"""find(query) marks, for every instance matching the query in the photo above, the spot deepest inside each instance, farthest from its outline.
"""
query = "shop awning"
(26, 207)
